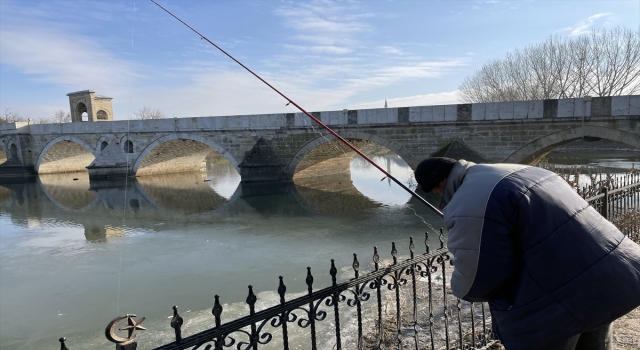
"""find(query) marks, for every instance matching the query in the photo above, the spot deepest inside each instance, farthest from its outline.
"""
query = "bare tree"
(149, 113)
(11, 117)
(61, 117)
(605, 62)
(44, 120)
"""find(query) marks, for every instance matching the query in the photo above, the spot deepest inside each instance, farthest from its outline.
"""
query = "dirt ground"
(626, 331)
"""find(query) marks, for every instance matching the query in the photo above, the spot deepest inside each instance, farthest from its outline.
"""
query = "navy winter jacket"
(549, 264)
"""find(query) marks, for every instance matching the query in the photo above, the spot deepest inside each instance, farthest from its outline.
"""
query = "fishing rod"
(290, 101)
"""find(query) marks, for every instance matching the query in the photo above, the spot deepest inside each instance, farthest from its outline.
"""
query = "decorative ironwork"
(410, 295)
(132, 327)
(414, 306)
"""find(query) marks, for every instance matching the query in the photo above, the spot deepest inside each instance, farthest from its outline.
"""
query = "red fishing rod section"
(309, 115)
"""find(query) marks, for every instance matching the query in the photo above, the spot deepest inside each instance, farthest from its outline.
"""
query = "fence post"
(605, 203)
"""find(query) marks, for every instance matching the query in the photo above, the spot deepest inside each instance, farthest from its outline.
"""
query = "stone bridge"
(276, 146)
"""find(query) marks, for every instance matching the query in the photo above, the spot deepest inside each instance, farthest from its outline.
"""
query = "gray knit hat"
(431, 171)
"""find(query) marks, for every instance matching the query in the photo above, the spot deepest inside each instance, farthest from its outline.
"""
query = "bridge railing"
(400, 303)
(617, 198)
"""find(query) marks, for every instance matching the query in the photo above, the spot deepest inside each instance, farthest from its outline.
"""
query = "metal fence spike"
(355, 264)
(333, 272)
(217, 310)
(376, 258)
(251, 300)
(394, 253)
(63, 346)
(281, 288)
(176, 324)
(426, 240)
(309, 279)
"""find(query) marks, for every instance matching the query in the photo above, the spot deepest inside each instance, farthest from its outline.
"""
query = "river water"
(74, 254)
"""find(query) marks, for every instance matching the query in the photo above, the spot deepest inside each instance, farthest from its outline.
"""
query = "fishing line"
(126, 181)
(202, 37)
(421, 218)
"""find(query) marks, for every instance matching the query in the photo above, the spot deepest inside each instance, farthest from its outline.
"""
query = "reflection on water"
(69, 190)
(76, 253)
(5, 193)
(183, 193)
(372, 183)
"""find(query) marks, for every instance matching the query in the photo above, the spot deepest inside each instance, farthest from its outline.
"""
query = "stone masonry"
(271, 146)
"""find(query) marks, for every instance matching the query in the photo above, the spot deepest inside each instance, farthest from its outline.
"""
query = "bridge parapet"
(270, 146)
(612, 106)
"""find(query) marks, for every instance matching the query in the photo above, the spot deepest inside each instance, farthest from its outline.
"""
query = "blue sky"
(326, 55)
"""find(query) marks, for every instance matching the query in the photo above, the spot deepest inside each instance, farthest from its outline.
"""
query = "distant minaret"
(385, 103)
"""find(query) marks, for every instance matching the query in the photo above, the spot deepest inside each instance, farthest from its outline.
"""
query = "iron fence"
(400, 304)
(617, 198)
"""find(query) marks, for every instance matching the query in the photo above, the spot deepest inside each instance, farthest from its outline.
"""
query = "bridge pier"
(260, 173)
(16, 170)
(262, 163)
(106, 172)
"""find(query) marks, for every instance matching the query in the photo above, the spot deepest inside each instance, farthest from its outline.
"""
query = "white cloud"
(391, 50)
(71, 61)
(320, 49)
(214, 91)
(379, 77)
(442, 98)
(584, 25)
(325, 23)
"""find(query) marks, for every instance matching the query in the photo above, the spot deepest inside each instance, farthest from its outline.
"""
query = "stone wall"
(273, 146)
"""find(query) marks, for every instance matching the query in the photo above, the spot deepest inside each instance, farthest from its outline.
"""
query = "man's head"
(431, 173)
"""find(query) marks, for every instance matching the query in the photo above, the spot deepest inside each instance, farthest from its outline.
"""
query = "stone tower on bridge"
(97, 108)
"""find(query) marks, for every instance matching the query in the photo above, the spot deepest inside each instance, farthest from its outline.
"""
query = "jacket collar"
(454, 180)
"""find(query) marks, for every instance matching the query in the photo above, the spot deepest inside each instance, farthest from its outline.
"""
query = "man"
(554, 271)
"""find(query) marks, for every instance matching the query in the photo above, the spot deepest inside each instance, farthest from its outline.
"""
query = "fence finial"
(176, 324)
(281, 289)
(333, 272)
(251, 300)
(309, 280)
(217, 310)
(356, 264)
(394, 253)
(376, 258)
(63, 346)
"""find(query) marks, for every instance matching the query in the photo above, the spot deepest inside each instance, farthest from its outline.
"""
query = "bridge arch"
(64, 154)
(352, 135)
(536, 149)
(149, 159)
